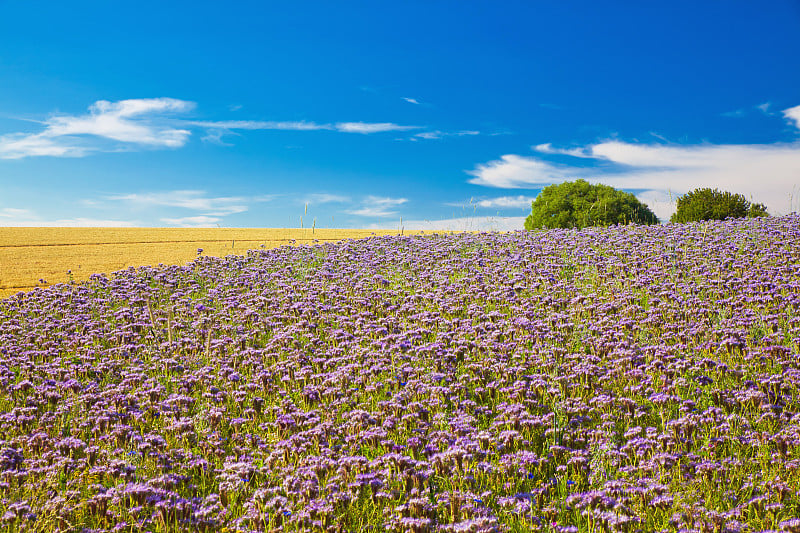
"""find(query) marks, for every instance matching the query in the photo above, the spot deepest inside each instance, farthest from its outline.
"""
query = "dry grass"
(30, 254)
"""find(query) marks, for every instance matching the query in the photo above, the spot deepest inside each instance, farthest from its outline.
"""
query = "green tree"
(713, 204)
(578, 204)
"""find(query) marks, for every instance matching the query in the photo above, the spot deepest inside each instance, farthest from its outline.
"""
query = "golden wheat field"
(57, 255)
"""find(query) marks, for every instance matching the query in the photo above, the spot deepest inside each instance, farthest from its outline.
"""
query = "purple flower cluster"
(624, 379)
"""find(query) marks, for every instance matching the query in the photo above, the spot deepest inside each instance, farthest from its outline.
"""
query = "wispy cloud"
(548, 148)
(371, 127)
(187, 199)
(765, 172)
(22, 218)
(109, 126)
(502, 202)
(82, 222)
(206, 210)
(738, 113)
(187, 208)
(148, 123)
(215, 137)
(219, 128)
(15, 213)
(324, 198)
(17, 146)
(298, 125)
(378, 206)
(411, 100)
(265, 197)
(436, 134)
(127, 121)
(199, 221)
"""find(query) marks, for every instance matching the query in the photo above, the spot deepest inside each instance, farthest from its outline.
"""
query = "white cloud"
(429, 135)
(739, 113)
(371, 212)
(27, 218)
(79, 222)
(793, 114)
(736, 113)
(17, 146)
(547, 148)
(117, 121)
(109, 126)
(147, 123)
(659, 137)
(215, 137)
(765, 173)
(514, 171)
(199, 221)
(14, 213)
(299, 125)
(436, 134)
(265, 197)
(377, 206)
(324, 198)
(216, 129)
(411, 100)
(187, 199)
(458, 224)
(371, 127)
(506, 202)
(84, 222)
(502, 202)
(203, 210)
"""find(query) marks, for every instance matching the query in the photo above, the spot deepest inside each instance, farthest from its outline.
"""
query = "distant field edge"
(43, 236)
(32, 257)
(112, 243)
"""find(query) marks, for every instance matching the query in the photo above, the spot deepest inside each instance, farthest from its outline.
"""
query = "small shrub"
(713, 204)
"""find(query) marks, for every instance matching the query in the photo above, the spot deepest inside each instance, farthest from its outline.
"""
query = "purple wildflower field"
(610, 379)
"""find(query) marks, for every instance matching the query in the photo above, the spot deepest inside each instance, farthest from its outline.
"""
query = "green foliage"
(578, 204)
(713, 204)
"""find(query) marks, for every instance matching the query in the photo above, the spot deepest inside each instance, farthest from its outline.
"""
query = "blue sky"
(355, 114)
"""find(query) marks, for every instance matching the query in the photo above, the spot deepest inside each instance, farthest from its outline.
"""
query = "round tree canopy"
(578, 204)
